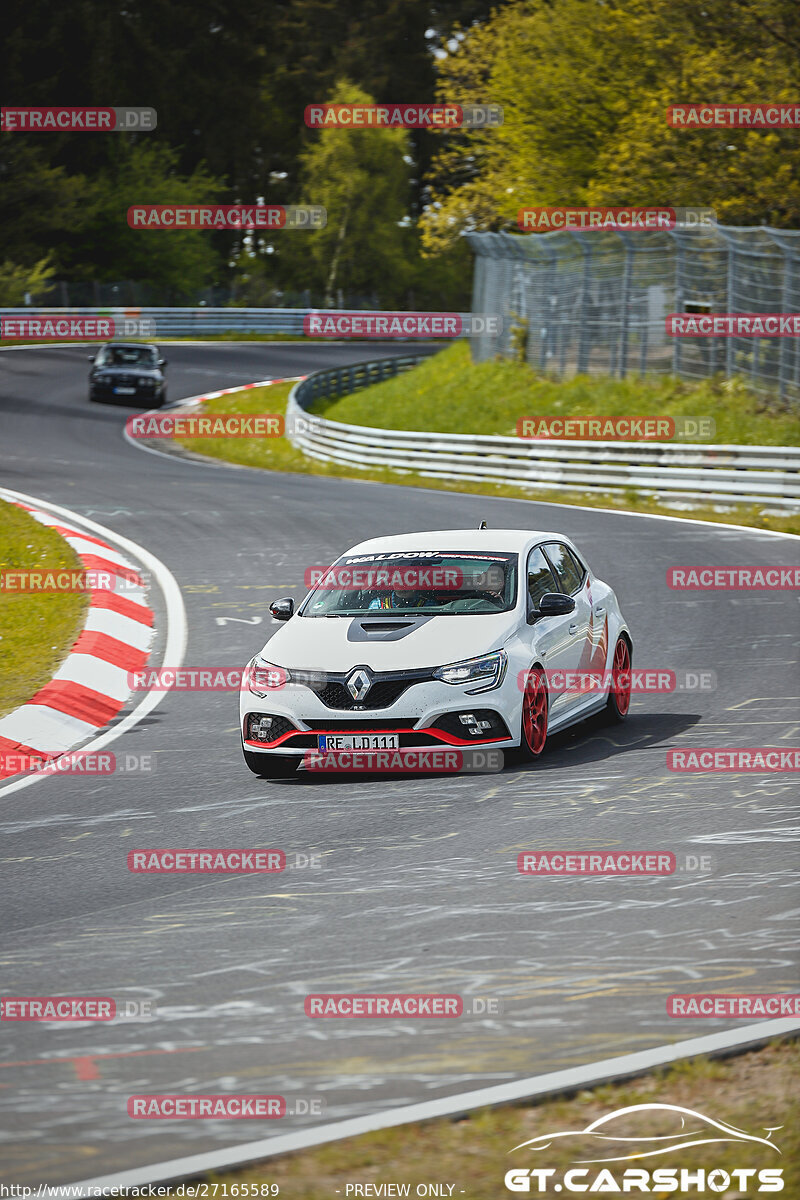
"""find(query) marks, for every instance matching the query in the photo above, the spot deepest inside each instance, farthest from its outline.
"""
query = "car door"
(552, 639)
(586, 653)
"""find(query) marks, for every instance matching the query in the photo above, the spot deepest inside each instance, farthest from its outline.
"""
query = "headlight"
(264, 677)
(486, 672)
(146, 381)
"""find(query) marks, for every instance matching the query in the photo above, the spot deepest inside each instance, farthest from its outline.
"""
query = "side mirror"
(282, 609)
(90, 357)
(162, 362)
(552, 604)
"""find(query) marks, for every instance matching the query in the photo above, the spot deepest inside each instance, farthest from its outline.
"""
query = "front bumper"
(426, 715)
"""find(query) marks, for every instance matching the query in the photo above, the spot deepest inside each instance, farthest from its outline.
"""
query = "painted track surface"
(419, 890)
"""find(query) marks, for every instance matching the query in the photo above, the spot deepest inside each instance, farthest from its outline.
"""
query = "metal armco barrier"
(198, 322)
(732, 474)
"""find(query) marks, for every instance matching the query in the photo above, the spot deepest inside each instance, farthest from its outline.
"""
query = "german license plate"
(121, 391)
(358, 741)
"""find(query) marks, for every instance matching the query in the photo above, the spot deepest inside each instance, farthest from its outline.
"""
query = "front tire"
(619, 696)
(270, 766)
(535, 712)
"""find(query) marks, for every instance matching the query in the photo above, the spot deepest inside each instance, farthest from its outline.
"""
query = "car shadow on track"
(594, 740)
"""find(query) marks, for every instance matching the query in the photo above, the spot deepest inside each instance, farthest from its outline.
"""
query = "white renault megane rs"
(450, 638)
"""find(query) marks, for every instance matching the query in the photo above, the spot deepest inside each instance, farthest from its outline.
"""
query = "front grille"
(387, 687)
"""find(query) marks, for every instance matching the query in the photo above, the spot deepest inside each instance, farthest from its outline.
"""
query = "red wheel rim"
(622, 675)
(534, 711)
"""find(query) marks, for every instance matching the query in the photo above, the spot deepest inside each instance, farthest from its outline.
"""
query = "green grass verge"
(448, 393)
(277, 454)
(754, 1092)
(36, 631)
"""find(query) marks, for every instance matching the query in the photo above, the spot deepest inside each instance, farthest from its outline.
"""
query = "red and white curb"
(91, 687)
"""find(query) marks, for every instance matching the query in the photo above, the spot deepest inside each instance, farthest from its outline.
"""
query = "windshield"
(126, 356)
(433, 583)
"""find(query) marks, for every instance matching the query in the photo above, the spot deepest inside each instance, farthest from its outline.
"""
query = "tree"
(585, 85)
(362, 177)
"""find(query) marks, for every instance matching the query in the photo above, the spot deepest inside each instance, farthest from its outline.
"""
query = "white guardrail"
(718, 474)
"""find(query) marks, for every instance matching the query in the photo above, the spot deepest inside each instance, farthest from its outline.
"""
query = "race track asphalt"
(418, 891)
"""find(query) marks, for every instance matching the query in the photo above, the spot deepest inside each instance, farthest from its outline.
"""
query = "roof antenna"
(483, 525)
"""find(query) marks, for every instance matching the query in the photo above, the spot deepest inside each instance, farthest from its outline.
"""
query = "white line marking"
(174, 642)
(504, 1093)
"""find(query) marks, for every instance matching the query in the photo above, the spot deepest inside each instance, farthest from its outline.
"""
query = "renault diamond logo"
(358, 683)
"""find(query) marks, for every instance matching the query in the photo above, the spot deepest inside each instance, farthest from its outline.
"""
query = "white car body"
(582, 640)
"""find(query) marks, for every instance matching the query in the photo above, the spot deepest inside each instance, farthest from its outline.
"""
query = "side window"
(540, 576)
(569, 574)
